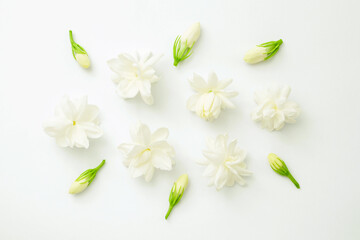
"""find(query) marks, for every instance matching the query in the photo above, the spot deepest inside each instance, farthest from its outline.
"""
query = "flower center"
(148, 149)
(74, 123)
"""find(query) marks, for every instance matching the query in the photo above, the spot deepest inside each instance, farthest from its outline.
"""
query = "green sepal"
(75, 48)
(272, 47)
(180, 53)
(89, 174)
(282, 170)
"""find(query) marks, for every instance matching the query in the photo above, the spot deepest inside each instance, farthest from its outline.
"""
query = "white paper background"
(319, 60)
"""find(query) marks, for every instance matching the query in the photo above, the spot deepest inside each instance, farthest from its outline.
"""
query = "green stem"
(100, 165)
(293, 180)
(176, 62)
(168, 212)
(71, 36)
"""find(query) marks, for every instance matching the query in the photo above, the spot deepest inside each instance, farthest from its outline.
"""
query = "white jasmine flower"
(135, 75)
(225, 163)
(274, 110)
(85, 179)
(211, 96)
(262, 52)
(79, 53)
(74, 122)
(147, 152)
(183, 44)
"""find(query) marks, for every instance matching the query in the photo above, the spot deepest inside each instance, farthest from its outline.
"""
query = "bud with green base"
(280, 167)
(84, 180)
(177, 192)
(79, 53)
(262, 52)
(184, 44)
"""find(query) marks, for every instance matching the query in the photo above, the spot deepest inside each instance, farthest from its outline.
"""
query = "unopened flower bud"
(84, 180)
(83, 60)
(79, 53)
(177, 192)
(262, 52)
(184, 44)
(280, 167)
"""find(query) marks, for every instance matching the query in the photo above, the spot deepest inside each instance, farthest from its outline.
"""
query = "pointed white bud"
(84, 180)
(83, 60)
(255, 55)
(262, 52)
(177, 192)
(78, 187)
(79, 53)
(183, 44)
(280, 167)
(191, 35)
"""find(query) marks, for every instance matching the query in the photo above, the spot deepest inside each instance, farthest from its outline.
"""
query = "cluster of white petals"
(225, 163)
(135, 75)
(211, 96)
(274, 109)
(147, 152)
(74, 122)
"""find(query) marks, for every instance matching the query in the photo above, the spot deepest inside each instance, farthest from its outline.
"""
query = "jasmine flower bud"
(280, 167)
(184, 44)
(177, 192)
(84, 180)
(262, 52)
(191, 35)
(79, 53)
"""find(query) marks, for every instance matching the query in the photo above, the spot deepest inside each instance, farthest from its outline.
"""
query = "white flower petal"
(149, 174)
(89, 114)
(279, 120)
(164, 146)
(197, 83)
(125, 148)
(140, 133)
(224, 83)
(221, 177)
(160, 134)
(68, 108)
(140, 170)
(127, 89)
(192, 102)
(78, 137)
(80, 106)
(212, 81)
(148, 99)
(92, 130)
(161, 160)
(143, 158)
(56, 126)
